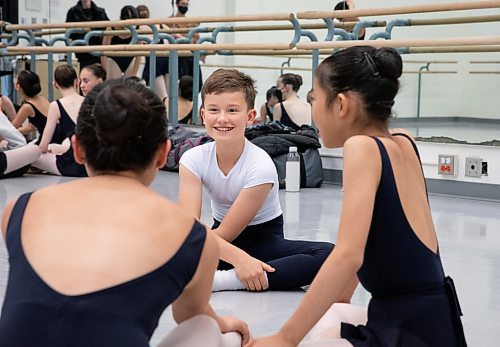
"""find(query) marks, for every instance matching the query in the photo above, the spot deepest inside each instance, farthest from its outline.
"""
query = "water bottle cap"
(292, 149)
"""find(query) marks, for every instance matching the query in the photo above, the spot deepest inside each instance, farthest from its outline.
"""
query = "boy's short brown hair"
(229, 81)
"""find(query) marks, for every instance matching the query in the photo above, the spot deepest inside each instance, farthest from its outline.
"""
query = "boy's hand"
(250, 272)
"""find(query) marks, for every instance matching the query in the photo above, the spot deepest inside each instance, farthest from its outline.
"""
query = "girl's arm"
(24, 112)
(361, 176)
(277, 112)
(195, 296)
(50, 127)
(8, 108)
(106, 40)
(263, 115)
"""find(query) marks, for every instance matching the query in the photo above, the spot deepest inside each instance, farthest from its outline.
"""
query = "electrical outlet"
(473, 167)
(484, 168)
(447, 164)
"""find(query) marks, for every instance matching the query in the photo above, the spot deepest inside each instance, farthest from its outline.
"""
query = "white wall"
(333, 158)
(450, 95)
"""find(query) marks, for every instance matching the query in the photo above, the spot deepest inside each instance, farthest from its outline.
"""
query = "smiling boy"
(242, 182)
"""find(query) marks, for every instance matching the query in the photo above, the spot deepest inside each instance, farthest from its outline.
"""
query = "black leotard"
(286, 120)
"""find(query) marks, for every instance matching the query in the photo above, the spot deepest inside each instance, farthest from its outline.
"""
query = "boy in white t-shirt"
(243, 185)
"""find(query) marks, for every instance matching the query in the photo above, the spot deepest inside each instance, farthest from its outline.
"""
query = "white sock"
(226, 280)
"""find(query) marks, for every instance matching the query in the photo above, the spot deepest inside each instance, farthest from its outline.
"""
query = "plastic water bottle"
(292, 179)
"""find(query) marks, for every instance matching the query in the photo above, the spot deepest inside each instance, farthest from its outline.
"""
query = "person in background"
(60, 160)
(90, 76)
(35, 107)
(273, 96)
(185, 101)
(349, 5)
(292, 111)
(186, 63)
(161, 76)
(121, 66)
(8, 107)
(86, 11)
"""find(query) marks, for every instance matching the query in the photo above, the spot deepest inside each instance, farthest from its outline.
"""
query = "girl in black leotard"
(292, 111)
(35, 107)
(185, 103)
(90, 76)
(386, 236)
(58, 159)
(16, 156)
(128, 66)
(87, 267)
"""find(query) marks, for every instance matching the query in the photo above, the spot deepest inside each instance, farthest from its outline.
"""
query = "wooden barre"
(455, 49)
(459, 6)
(430, 61)
(484, 62)
(455, 20)
(484, 72)
(256, 67)
(157, 47)
(148, 21)
(441, 42)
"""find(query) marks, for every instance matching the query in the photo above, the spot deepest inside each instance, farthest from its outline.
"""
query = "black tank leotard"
(413, 303)
(124, 315)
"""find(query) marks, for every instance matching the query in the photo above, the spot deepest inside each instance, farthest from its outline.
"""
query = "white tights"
(20, 157)
(200, 330)
(327, 331)
(47, 162)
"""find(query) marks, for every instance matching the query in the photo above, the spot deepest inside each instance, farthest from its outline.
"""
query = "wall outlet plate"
(473, 167)
(448, 164)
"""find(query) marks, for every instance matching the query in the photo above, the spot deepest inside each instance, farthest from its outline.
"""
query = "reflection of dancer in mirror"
(161, 76)
(386, 237)
(121, 66)
(349, 5)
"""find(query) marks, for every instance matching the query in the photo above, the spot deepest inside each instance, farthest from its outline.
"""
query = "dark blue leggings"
(296, 262)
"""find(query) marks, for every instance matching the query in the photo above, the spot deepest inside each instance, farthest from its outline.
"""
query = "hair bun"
(389, 62)
(115, 112)
(299, 79)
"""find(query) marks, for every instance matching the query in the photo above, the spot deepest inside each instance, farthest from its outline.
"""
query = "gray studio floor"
(468, 231)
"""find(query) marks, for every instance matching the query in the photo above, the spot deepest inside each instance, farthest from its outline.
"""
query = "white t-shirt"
(254, 167)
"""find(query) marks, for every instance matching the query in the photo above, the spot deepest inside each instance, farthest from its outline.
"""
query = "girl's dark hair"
(65, 76)
(97, 70)
(293, 79)
(142, 8)
(341, 6)
(273, 91)
(121, 125)
(128, 12)
(29, 82)
(372, 73)
(186, 87)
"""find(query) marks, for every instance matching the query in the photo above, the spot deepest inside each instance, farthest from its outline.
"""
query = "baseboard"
(471, 190)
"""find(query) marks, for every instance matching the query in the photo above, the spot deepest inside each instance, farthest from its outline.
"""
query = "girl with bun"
(35, 107)
(59, 159)
(386, 237)
(103, 270)
(292, 111)
(90, 76)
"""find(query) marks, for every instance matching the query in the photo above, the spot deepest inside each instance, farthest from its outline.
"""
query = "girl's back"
(86, 268)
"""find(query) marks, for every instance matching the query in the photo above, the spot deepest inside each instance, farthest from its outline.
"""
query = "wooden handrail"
(168, 20)
(459, 6)
(440, 42)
